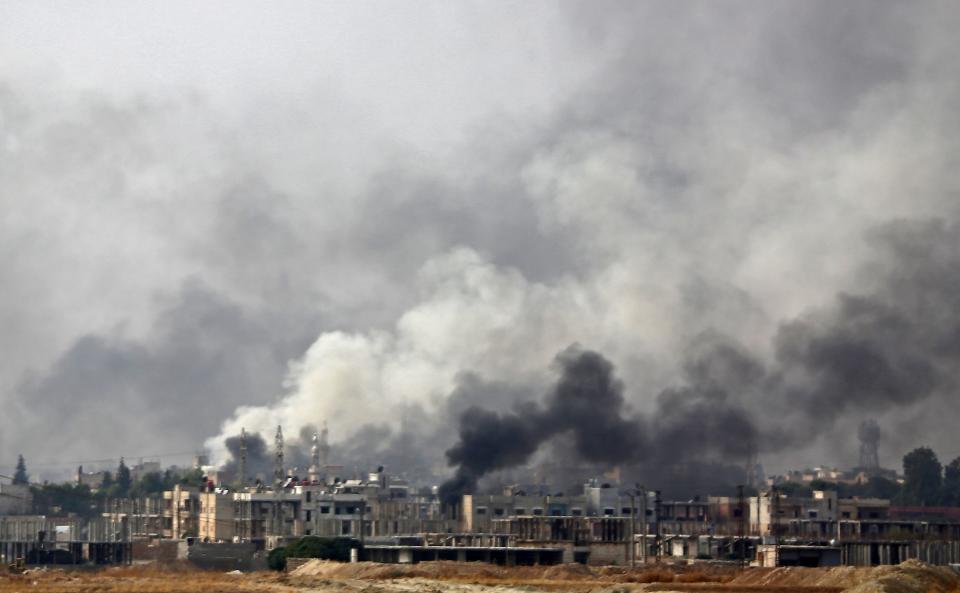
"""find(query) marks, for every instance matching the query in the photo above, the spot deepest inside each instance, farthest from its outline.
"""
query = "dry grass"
(443, 577)
(175, 579)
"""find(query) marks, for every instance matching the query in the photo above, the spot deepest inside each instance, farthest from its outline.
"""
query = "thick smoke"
(587, 408)
(587, 403)
(259, 463)
(666, 186)
(888, 350)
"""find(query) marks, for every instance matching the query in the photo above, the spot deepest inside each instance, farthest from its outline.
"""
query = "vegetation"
(20, 474)
(277, 559)
(62, 499)
(311, 546)
(926, 483)
(68, 498)
(124, 481)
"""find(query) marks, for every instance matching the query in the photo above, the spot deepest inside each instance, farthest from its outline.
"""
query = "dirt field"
(452, 577)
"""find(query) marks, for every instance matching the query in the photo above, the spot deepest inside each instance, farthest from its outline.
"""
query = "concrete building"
(15, 499)
(260, 516)
(181, 512)
(215, 519)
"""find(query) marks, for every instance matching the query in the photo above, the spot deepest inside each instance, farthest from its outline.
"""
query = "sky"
(245, 214)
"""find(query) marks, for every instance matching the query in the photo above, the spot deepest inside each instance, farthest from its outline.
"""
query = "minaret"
(324, 447)
(278, 478)
(314, 474)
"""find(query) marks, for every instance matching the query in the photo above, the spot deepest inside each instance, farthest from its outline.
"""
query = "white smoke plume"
(391, 200)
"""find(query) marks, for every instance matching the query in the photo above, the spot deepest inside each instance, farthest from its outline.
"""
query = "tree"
(150, 484)
(124, 481)
(63, 499)
(20, 475)
(106, 484)
(880, 487)
(950, 494)
(923, 474)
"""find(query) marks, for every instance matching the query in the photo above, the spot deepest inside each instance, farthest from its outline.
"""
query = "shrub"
(326, 548)
(277, 559)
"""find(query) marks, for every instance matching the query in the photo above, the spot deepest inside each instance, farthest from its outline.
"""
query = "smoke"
(259, 461)
(865, 354)
(587, 402)
(686, 192)
(586, 407)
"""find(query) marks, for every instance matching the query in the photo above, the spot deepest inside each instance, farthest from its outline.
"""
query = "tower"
(869, 434)
(324, 447)
(314, 473)
(278, 477)
(242, 470)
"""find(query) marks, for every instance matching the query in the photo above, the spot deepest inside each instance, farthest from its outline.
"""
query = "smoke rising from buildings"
(307, 237)
(865, 354)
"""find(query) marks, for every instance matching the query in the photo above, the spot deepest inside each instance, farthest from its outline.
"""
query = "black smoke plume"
(587, 407)
(889, 349)
(259, 458)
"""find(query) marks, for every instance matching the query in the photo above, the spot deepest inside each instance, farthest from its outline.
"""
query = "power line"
(107, 460)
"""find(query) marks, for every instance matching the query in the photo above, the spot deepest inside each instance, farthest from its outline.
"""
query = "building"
(15, 499)
(181, 512)
(215, 519)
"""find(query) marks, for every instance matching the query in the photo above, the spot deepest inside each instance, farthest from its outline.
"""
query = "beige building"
(216, 517)
(181, 512)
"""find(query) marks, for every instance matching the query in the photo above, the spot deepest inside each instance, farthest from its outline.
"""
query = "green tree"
(924, 477)
(124, 481)
(20, 475)
(106, 485)
(950, 494)
(327, 548)
(277, 558)
(63, 499)
(194, 478)
(150, 484)
(880, 487)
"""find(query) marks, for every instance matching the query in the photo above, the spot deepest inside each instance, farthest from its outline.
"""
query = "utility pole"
(656, 517)
(643, 523)
(633, 527)
(776, 525)
(740, 526)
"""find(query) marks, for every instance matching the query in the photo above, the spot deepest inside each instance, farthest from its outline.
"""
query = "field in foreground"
(443, 577)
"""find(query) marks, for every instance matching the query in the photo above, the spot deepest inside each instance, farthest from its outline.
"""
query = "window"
(576, 512)
(308, 495)
(845, 514)
(309, 517)
(481, 510)
(626, 511)
(498, 512)
(608, 511)
(813, 514)
(537, 512)
(520, 511)
(324, 510)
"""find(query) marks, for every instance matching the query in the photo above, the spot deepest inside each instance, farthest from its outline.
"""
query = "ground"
(452, 577)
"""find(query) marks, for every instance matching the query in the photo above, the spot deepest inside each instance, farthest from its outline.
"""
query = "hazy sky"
(229, 214)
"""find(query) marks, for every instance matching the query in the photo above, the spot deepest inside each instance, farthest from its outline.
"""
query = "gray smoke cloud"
(684, 191)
